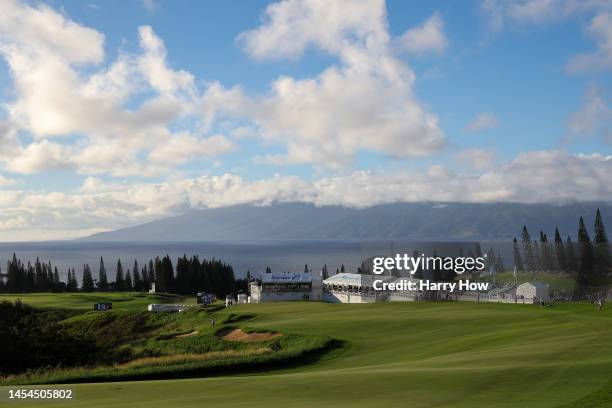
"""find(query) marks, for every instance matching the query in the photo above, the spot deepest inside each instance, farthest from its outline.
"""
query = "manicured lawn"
(406, 354)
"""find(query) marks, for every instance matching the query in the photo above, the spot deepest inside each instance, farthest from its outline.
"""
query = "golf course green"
(402, 354)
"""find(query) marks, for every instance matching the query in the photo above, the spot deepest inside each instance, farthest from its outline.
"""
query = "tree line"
(191, 275)
(588, 260)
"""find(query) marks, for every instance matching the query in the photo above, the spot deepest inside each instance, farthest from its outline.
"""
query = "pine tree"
(545, 253)
(587, 259)
(530, 263)
(602, 252)
(537, 261)
(324, 272)
(119, 279)
(146, 279)
(516, 252)
(102, 278)
(560, 251)
(87, 284)
(127, 282)
(570, 251)
(137, 278)
(56, 280)
(72, 285)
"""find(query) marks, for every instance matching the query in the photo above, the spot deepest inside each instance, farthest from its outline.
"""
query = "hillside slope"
(387, 221)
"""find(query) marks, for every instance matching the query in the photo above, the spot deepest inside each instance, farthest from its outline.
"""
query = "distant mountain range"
(445, 222)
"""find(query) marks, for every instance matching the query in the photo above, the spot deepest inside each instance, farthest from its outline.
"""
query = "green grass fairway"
(85, 301)
(405, 355)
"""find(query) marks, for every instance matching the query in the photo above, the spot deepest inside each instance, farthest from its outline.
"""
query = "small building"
(229, 301)
(100, 307)
(152, 290)
(532, 290)
(243, 298)
(283, 286)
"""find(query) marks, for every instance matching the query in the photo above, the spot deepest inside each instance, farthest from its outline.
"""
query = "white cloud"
(479, 159)
(600, 29)
(539, 12)
(62, 89)
(150, 5)
(289, 27)
(483, 121)
(365, 103)
(5, 181)
(426, 38)
(542, 176)
(594, 118)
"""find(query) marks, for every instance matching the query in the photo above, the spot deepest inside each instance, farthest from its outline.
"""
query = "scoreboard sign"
(100, 307)
(205, 298)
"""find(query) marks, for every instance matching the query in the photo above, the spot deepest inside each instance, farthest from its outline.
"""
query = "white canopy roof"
(355, 279)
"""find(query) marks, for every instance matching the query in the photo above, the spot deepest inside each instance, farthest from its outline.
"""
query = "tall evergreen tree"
(560, 252)
(518, 260)
(127, 281)
(536, 256)
(72, 285)
(119, 279)
(137, 278)
(587, 258)
(56, 280)
(570, 251)
(102, 278)
(146, 280)
(530, 263)
(545, 253)
(87, 284)
(602, 252)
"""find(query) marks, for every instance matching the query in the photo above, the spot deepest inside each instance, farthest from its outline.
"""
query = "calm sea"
(242, 255)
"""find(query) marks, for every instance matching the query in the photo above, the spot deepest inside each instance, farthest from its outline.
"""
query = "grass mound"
(136, 345)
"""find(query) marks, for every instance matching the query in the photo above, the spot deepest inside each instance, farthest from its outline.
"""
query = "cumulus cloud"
(600, 28)
(594, 118)
(538, 12)
(540, 176)
(426, 38)
(483, 121)
(62, 90)
(364, 103)
(478, 159)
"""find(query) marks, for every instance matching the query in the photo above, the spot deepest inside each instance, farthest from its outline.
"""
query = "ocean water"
(242, 255)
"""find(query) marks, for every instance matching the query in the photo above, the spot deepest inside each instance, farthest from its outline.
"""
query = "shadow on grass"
(330, 350)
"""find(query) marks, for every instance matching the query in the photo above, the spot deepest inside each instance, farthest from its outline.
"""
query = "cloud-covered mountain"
(451, 221)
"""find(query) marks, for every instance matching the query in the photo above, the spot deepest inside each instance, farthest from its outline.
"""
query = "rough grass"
(141, 345)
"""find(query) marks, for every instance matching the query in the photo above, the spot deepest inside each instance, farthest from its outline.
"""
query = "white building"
(282, 286)
(154, 307)
(532, 290)
(353, 288)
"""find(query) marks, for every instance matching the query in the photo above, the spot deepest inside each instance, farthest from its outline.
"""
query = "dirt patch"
(180, 336)
(239, 335)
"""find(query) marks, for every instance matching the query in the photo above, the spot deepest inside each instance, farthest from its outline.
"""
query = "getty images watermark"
(444, 267)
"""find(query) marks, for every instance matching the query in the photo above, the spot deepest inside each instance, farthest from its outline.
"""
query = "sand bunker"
(239, 335)
(180, 336)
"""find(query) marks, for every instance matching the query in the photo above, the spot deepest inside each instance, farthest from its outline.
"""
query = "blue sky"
(118, 112)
